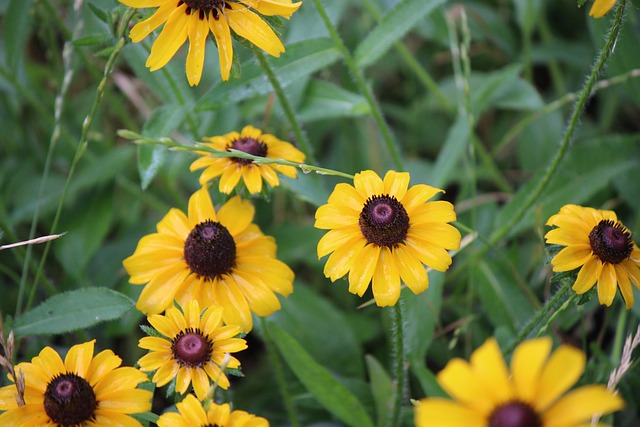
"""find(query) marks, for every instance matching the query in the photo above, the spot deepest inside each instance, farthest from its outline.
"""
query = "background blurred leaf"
(17, 23)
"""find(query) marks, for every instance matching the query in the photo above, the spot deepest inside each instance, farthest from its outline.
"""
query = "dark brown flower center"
(611, 242)
(250, 146)
(69, 400)
(384, 221)
(210, 249)
(191, 348)
(203, 7)
(515, 414)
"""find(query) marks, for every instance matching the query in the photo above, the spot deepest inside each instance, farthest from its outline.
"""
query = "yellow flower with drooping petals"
(218, 258)
(83, 391)
(194, 19)
(383, 231)
(232, 169)
(191, 413)
(194, 348)
(534, 392)
(601, 246)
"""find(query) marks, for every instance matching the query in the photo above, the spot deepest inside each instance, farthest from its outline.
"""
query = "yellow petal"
(363, 267)
(625, 285)
(386, 279)
(461, 382)
(252, 178)
(601, 7)
(144, 28)
(433, 256)
(200, 207)
(489, 366)
(368, 184)
(562, 371)
(348, 196)
(173, 35)
(235, 306)
(144, 3)
(580, 405)
(104, 362)
(335, 216)
(445, 413)
(274, 7)
(236, 215)
(262, 301)
(129, 401)
(438, 234)
(198, 32)
(587, 276)
(250, 26)
(437, 211)
(571, 257)
(396, 184)
(412, 271)
(158, 294)
(79, 357)
(333, 239)
(341, 260)
(526, 364)
(417, 195)
(230, 178)
(607, 284)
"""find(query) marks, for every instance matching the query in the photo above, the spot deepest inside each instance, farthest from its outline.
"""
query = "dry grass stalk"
(5, 362)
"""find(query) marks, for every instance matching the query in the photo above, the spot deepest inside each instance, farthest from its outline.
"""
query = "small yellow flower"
(194, 19)
(382, 231)
(601, 246)
(601, 7)
(191, 413)
(232, 169)
(532, 393)
(194, 348)
(215, 258)
(83, 391)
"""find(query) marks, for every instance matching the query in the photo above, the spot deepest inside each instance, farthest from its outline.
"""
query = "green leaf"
(299, 60)
(99, 13)
(16, 24)
(93, 40)
(381, 388)
(394, 25)
(421, 315)
(326, 100)
(451, 152)
(70, 311)
(330, 393)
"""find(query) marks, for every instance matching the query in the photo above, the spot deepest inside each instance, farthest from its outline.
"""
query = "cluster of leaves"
(526, 61)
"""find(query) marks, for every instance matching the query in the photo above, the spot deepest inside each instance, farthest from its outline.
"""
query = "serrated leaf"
(299, 60)
(394, 25)
(330, 393)
(73, 310)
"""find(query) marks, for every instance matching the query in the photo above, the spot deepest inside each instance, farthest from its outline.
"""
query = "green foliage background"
(527, 60)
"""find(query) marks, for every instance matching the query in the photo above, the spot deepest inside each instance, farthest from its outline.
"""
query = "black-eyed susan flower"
(601, 246)
(232, 169)
(532, 393)
(601, 7)
(382, 231)
(215, 258)
(192, 350)
(194, 19)
(192, 413)
(82, 391)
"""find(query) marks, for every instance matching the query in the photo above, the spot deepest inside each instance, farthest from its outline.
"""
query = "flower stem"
(301, 137)
(83, 143)
(578, 109)
(277, 367)
(550, 308)
(399, 363)
(358, 77)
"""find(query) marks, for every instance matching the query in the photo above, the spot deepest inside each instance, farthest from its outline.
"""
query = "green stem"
(358, 77)
(83, 143)
(301, 136)
(578, 108)
(277, 367)
(399, 363)
(540, 316)
(618, 341)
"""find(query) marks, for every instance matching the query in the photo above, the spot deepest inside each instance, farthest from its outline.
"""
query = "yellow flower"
(194, 348)
(84, 391)
(194, 19)
(601, 246)
(485, 393)
(231, 169)
(191, 413)
(383, 231)
(601, 7)
(215, 258)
